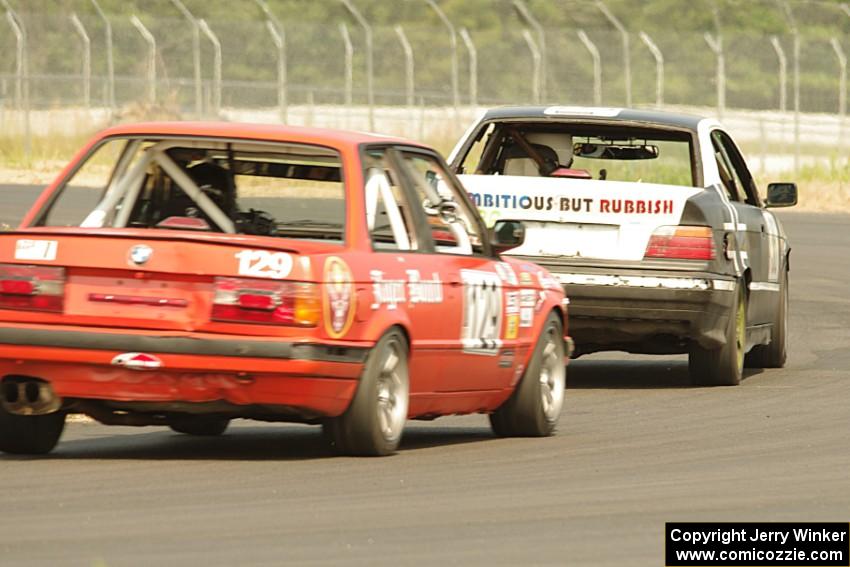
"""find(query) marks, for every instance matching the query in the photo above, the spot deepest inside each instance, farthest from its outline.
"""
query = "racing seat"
(516, 162)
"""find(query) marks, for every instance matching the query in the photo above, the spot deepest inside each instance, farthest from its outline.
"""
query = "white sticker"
(264, 264)
(507, 273)
(511, 303)
(482, 312)
(526, 316)
(528, 298)
(582, 111)
(36, 250)
(386, 292)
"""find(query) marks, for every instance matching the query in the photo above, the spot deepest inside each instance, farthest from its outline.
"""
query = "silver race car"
(650, 220)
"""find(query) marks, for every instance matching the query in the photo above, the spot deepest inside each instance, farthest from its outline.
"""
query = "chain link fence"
(63, 73)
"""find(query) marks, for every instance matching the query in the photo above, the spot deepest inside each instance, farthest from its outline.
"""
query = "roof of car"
(265, 132)
(554, 112)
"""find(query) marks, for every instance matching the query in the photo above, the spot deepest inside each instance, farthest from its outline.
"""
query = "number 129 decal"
(264, 264)
(482, 312)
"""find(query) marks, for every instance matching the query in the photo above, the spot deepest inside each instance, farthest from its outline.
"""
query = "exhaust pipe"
(28, 396)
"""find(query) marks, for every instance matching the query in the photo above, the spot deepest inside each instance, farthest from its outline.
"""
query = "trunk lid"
(149, 279)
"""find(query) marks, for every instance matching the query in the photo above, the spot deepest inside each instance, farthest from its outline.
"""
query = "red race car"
(186, 274)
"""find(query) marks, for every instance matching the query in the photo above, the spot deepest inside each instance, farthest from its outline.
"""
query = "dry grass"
(824, 188)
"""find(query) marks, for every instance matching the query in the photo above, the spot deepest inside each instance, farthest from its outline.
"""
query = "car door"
(404, 280)
(483, 340)
(760, 234)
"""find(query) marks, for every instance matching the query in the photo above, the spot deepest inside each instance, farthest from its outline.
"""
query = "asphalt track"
(637, 447)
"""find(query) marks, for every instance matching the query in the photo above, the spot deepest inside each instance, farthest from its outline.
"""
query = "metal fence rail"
(183, 66)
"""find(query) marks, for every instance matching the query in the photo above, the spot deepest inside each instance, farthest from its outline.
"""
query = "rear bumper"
(308, 378)
(647, 311)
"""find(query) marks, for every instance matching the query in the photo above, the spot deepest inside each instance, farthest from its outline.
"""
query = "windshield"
(582, 151)
(265, 189)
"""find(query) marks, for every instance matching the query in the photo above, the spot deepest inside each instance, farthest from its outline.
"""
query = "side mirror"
(781, 195)
(507, 234)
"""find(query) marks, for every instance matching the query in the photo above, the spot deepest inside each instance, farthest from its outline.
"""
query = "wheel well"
(403, 331)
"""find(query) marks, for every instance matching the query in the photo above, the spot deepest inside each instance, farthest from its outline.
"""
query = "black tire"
(775, 353)
(30, 434)
(535, 406)
(199, 425)
(374, 422)
(723, 366)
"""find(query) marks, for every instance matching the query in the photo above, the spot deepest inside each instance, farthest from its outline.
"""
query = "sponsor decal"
(44, 250)
(482, 312)
(264, 264)
(340, 299)
(506, 272)
(511, 326)
(414, 289)
(511, 302)
(386, 292)
(137, 361)
(547, 281)
(527, 298)
(140, 254)
(572, 204)
(526, 317)
(424, 291)
(601, 111)
(525, 278)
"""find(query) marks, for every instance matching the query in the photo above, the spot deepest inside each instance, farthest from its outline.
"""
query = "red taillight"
(32, 288)
(239, 300)
(681, 242)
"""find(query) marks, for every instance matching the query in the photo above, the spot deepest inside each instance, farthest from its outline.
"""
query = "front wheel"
(535, 406)
(723, 366)
(30, 434)
(373, 423)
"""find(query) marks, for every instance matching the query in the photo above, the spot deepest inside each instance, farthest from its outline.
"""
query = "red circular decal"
(339, 297)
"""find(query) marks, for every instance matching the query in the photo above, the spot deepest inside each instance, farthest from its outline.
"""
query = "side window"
(735, 166)
(724, 166)
(452, 225)
(388, 216)
(83, 190)
(472, 160)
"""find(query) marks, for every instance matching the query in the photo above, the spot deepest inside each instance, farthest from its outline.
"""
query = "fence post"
(842, 87)
(151, 71)
(409, 69)
(795, 33)
(597, 67)
(624, 36)
(659, 68)
(110, 64)
(22, 86)
(783, 72)
(453, 44)
(278, 34)
(473, 66)
(535, 57)
(370, 84)
(279, 39)
(716, 45)
(86, 42)
(196, 55)
(526, 15)
(349, 64)
(216, 99)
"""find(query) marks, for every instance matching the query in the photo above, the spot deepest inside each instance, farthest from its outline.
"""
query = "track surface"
(637, 447)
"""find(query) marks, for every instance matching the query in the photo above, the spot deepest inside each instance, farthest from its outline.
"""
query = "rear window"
(592, 151)
(280, 189)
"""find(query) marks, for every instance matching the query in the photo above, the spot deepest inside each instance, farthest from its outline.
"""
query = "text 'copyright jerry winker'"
(758, 544)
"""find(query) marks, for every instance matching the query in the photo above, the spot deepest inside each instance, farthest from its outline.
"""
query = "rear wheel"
(723, 366)
(373, 423)
(535, 406)
(198, 425)
(774, 354)
(30, 434)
